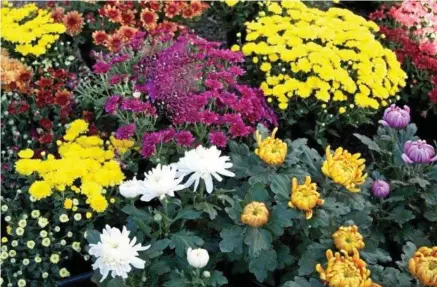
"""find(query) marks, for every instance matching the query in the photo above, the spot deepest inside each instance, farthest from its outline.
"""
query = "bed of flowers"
(136, 152)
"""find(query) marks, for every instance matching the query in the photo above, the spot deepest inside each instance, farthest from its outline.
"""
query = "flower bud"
(418, 152)
(396, 117)
(380, 189)
(255, 214)
(198, 258)
(206, 274)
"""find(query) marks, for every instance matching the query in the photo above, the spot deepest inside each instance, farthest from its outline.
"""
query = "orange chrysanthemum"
(114, 42)
(149, 19)
(58, 14)
(423, 265)
(171, 10)
(196, 7)
(62, 98)
(168, 26)
(127, 32)
(128, 18)
(188, 13)
(13, 73)
(112, 13)
(100, 37)
(73, 22)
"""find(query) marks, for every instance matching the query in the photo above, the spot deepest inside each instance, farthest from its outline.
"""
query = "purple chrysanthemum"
(101, 67)
(184, 138)
(111, 104)
(125, 132)
(217, 138)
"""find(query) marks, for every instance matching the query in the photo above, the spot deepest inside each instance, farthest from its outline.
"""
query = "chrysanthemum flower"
(112, 13)
(204, 163)
(127, 18)
(116, 253)
(58, 14)
(348, 238)
(423, 265)
(160, 182)
(345, 168)
(127, 32)
(100, 37)
(114, 42)
(40, 190)
(149, 19)
(344, 270)
(171, 10)
(255, 214)
(305, 197)
(272, 151)
(73, 22)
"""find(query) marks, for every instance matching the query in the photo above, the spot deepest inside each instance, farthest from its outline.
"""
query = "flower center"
(432, 265)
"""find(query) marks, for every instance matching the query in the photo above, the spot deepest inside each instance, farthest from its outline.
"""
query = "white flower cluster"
(199, 163)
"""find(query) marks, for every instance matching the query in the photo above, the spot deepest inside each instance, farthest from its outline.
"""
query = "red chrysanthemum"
(62, 98)
(127, 32)
(73, 22)
(45, 139)
(155, 5)
(112, 13)
(45, 123)
(128, 18)
(196, 6)
(171, 10)
(188, 13)
(114, 42)
(100, 37)
(58, 14)
(44, 82)
(149, 19)
(60, 74)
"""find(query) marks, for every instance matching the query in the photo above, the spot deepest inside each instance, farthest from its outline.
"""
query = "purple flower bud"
(418, 152)
(395, 117)
(380, 189)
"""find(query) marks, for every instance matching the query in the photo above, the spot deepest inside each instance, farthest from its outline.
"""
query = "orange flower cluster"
(145, 17)
(73, 20)
(14, 75)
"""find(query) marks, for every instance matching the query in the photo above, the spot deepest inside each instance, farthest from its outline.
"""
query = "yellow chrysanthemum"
(40, 190)
(329, 56)
(121, 146)
(26, 153)
(255, 214)
(305, 197)
(345, 168)
(68, 203)
(98, 203)
(423, 265)
(344, 270)
(231, 3)
(348, 238)
(272, 151)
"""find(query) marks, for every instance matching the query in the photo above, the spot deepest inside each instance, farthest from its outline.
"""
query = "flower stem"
(165, 217)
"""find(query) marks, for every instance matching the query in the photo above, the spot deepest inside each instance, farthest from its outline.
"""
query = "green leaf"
(258, 192)
(408, 250)
(232, 239)
(266, 261)
(137, 213)
(217, 279)
(93, 236)
(115, 282)
(284, 257)
(368, 142)
(235, 210)
(400, 215)
(375, 255)
(281, 186)
(281, 217)
(208, 208)
(157, 248)
(334, 207)
(430, 195)
(409, 233)
(188, 214)
(184, 239)
(390, 277)
(175, 280)
(314, 253)
(257, 239)
(320, 218)
(420, 181)
(431, 213)
(160, 267)
(302, 282)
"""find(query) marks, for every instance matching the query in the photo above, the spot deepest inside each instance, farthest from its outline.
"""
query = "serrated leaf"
(218, 279)
(208, 208)
(258, 192)
(265, 262)
(375, 255)
(400, 215)
(281, 217)
(431, 213)
(257, 239)
(137, 213)
(335, 207)
(92, 236)
(430, 195)
(184, 239)
(420, 181)
(284, 257)
(281, 186)
(368, 142)
(157, 248)
(232, 239)
(314, 253)
(235, 210)
(320, 218)
(160, 267)
(188, 214)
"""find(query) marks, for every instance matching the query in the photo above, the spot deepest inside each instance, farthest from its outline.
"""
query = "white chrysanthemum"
(161, 181)
(131, 188)
(116, 253)
(204, 163)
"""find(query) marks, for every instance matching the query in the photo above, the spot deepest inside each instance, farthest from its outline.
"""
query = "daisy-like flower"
(73, 22)
(161, 181)
(149, 19)
(204, 163)
(126, 32)
(131, 188)
(100, 37)
(116, 253)
(112, 13)
(114, 42)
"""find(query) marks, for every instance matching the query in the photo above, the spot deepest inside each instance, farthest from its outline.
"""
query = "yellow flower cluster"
(31, 29)
(330, 55)
(423, 265)
(120, 146)
(272, 151)
(345, 168)
(255, 214)
(305, 197)
(348, 238)
(82, 158)
(344, 270)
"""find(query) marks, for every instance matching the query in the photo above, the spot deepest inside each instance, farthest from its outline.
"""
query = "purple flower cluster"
(188, 82)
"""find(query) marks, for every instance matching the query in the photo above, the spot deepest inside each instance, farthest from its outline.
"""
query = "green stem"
(165, 217)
